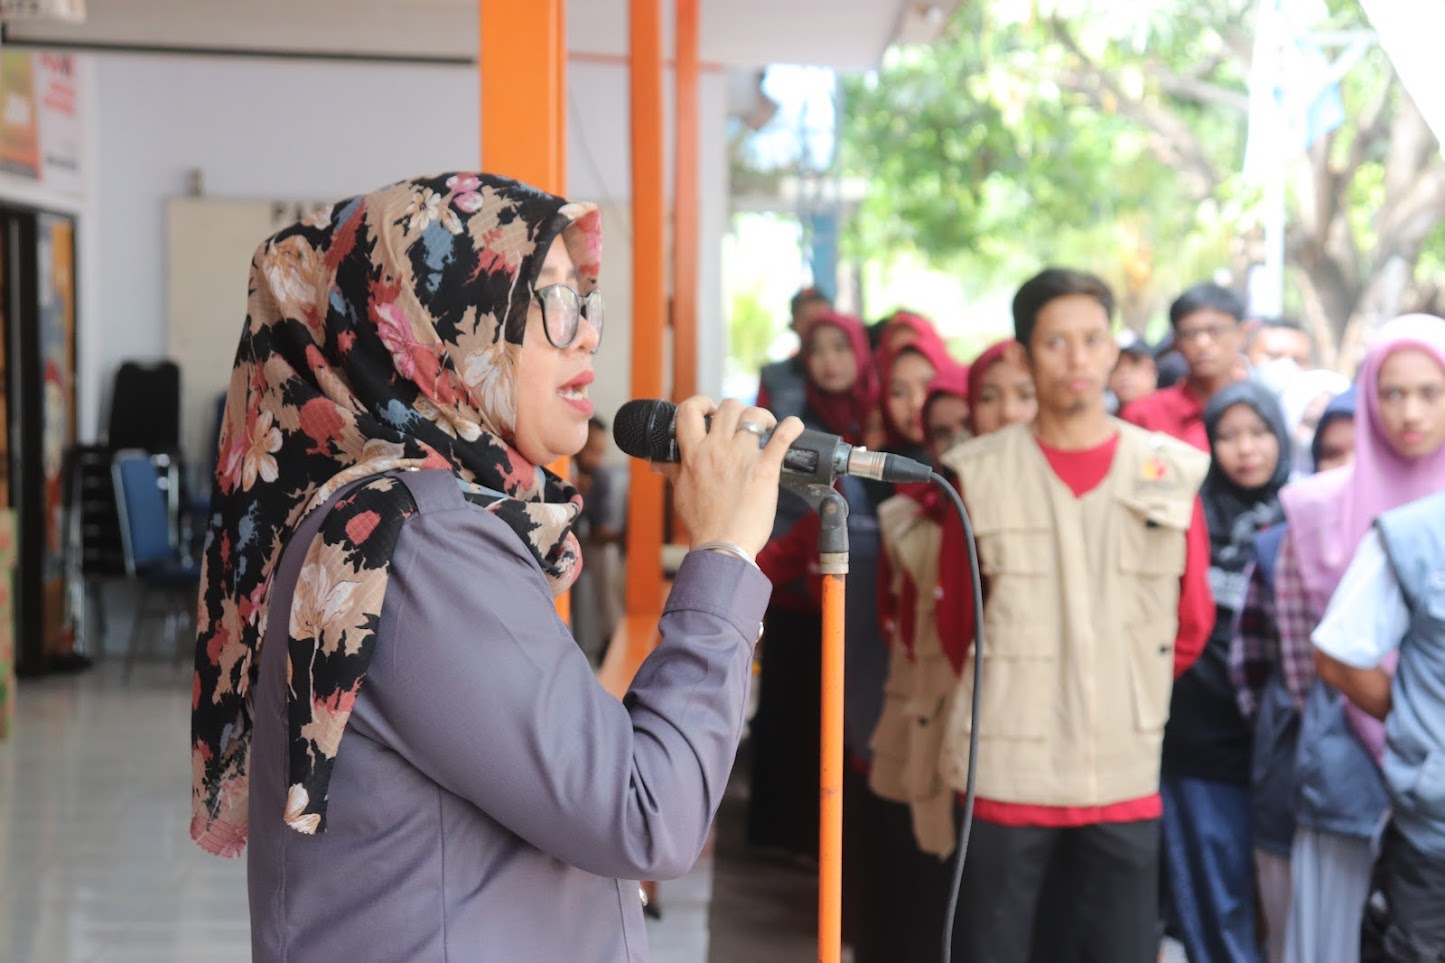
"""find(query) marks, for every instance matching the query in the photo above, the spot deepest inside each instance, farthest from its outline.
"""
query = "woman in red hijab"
(1000, 389)
(947, 417)
(841, 391)
(841, 383)
(905, 328)
(908, 368)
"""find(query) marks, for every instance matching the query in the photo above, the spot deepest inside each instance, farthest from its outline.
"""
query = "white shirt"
(1367, 617)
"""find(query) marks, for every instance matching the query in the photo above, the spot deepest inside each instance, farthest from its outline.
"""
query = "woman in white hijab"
(1303, 400)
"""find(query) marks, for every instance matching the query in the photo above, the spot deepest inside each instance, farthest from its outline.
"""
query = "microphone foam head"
(643, 429)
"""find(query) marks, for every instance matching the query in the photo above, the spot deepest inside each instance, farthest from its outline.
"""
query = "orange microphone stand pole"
(833, 559)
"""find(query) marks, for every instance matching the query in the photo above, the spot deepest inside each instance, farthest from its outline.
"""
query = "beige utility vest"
(1080, 619)
(909, 734)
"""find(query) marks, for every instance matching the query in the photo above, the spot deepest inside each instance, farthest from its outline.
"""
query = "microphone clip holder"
(832, 509)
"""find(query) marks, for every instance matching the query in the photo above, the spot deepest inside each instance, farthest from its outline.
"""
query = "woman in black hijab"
(1209, 871)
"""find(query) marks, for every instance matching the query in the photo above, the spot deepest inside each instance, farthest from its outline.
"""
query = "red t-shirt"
(1175, 410)
(1082, 471)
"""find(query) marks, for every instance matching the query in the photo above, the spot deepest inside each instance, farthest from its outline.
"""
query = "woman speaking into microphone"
(386, 705)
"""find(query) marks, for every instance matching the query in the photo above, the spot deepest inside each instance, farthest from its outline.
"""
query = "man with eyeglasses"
(1208, 329)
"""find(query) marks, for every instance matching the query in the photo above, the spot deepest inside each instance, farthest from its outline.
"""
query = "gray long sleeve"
(482, 688)
(490, 801)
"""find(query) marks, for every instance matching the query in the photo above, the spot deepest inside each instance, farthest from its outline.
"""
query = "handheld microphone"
(648, 429)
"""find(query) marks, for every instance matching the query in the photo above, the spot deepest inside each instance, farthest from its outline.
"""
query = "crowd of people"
(1212, 637)
(1212, 634)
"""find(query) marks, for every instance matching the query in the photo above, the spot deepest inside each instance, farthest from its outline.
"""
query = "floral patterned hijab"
(381, 334)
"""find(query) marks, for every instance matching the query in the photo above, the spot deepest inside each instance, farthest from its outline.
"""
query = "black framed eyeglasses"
(563, 310)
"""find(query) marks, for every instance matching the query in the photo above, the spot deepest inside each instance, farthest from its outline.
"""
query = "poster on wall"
(19, 120)
(40, 130)
(56, 255)
(72, 10)
(58, 102)
(55, 264)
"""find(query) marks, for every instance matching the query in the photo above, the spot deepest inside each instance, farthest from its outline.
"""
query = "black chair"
(168, 583)
(94, 550)
(145, 407)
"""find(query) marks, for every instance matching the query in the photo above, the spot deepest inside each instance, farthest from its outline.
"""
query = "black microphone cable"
(961, 850)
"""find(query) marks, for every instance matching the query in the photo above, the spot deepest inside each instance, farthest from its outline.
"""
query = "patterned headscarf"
(381, 334)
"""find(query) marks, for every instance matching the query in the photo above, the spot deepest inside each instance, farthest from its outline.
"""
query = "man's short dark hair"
(806, 297)
(1172, 368)
(1051, 284)
(595, 423)
(1206, 297)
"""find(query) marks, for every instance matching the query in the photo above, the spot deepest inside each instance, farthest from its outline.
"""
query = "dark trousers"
(785, 734)
(1405, 917)
(895, 897)
(1209, 869)
(1113, 875)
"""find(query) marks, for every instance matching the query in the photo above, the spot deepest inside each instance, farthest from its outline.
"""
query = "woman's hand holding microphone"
(726, 484)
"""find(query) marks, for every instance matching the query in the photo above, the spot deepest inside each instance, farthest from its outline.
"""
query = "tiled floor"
(95, 860)
(96, 863)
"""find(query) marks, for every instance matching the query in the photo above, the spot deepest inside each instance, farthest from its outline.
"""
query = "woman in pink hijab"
(1399, 457)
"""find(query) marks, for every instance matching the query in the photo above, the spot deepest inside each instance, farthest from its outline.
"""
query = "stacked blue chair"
(167, 580)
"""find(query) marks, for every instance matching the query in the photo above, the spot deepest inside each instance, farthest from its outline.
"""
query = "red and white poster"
(57, 98)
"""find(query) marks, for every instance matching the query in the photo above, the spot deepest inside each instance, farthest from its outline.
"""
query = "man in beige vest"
(1095, 556)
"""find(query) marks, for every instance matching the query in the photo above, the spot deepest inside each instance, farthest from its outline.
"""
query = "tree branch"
(1197, 90)
(1405, 224)
(1371, 129)
(1240, 43)
(1174, 142)
(1411, 147)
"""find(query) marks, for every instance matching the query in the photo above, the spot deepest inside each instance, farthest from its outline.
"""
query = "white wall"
(253, 128)
(278, 129)
(599, 157)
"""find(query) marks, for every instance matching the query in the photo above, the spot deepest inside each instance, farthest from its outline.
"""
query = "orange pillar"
(685, 213)
(649, 300)
(523, 57)
(685, 206)
(522, 53)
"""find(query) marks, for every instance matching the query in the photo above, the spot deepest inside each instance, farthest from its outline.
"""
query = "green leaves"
(1000, 143)
(1110, 134)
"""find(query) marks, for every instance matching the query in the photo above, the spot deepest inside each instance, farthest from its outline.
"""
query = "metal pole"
(833, 558)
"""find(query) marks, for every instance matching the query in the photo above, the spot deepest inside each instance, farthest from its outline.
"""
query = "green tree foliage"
(1110, 135)
(751, 330)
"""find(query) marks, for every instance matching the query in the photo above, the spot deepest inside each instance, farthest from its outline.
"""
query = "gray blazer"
(490, 800)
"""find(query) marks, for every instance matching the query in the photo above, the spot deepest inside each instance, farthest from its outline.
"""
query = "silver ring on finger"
(753, 427)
